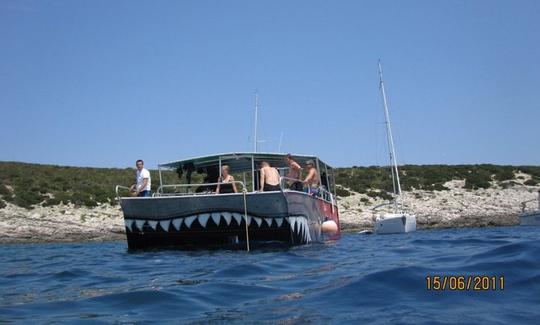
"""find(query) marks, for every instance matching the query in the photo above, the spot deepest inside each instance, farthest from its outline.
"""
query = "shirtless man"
(312, 179)
(294, 173)
(269, 178)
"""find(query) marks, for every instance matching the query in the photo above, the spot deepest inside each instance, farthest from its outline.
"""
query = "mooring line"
(246, 219)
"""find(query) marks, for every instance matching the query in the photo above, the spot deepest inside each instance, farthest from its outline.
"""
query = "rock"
(457, 207)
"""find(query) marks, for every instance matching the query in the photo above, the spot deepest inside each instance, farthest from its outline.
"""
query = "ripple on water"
(358, 279)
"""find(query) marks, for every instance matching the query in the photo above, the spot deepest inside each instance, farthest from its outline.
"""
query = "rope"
(246, 219)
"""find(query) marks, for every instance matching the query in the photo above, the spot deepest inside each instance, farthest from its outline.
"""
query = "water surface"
(358, 279)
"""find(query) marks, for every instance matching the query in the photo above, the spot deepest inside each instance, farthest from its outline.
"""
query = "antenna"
(255, 138)
(393, 162)
(280, 142)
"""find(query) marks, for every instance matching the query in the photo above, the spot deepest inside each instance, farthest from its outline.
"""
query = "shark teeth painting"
(298, 224)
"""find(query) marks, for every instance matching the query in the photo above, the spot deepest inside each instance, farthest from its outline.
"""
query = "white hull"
(530, 219)
(395, 223)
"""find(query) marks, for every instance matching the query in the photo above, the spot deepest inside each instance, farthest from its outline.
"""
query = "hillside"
(53, 203)
(30, 185)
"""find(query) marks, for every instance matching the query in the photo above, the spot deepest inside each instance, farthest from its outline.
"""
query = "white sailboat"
(399, 220)
(528, 217)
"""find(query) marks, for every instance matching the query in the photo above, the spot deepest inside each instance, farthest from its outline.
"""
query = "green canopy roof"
(242, 161)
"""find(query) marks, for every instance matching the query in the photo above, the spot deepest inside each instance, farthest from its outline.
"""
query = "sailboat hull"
(530, 219)
(395, 223)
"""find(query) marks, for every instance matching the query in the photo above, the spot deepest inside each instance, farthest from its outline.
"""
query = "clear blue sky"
(102, 83)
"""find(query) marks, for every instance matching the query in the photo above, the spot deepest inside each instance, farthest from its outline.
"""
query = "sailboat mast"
(280, 142)
(393, 162)
(255, 138)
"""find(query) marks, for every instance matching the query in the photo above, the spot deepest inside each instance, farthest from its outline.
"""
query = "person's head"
(225, 170)
(310, 164)
(288, 158)
(264, 164)
(140, 164)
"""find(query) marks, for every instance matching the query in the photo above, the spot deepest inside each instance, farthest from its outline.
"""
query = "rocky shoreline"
(457, 207)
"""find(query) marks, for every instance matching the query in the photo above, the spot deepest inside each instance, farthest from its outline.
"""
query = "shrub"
(2, 204)
(504, 174)
(342, 192)
(27, 199)
(4, 191)
(531, 182)
(478, 178)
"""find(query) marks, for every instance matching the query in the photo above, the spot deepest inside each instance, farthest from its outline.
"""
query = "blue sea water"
(357, 279)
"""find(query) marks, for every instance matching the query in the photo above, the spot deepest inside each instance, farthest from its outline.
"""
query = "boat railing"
(525, 205)
(120, 187)
(161, 190)
(398, 206)
(321, 191)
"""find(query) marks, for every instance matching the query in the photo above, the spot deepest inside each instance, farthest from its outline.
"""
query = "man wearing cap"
(312, 179)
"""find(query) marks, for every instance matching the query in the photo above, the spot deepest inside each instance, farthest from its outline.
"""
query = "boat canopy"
(243, 161)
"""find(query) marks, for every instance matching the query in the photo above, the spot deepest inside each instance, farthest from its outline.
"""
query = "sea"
(361, 278)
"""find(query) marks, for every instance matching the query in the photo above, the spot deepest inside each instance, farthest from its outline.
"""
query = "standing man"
(142, 187)
(294, 174)
(269, 178)
(312, 180)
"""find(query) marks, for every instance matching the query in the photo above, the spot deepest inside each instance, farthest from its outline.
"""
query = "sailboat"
(399, 220)
(530, 218)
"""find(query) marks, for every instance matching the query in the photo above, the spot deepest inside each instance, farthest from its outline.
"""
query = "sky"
(103, 83)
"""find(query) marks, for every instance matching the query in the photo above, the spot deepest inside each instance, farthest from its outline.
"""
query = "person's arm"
(298, 169)
(262, 180)
(233, 184)
(143, 185)
(310, 176)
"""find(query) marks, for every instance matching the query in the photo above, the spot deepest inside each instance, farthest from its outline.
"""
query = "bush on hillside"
(531, 182)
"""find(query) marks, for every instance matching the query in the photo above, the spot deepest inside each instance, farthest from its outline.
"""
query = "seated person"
(294, 174)
(226, 182)
(269, 178)
(312, 179)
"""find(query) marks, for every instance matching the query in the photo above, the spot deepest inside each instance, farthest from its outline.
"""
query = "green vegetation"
(27, 185)
(430, 177)
(31, 184)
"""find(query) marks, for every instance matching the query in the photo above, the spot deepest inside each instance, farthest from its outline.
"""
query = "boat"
(400, 219)
(529, 217)
(190, 214)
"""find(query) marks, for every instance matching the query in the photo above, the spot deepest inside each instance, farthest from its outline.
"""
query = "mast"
(392, 151)
(255, 139)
